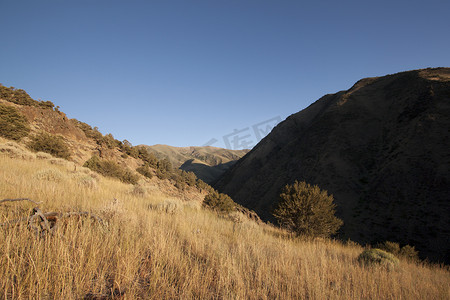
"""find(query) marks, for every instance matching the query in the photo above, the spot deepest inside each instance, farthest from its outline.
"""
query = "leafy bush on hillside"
(47, 105)
(138, 190)
(85, 180)
(52, 144)
(147, 156)
(407, 252)
(19, 96)
(183, 178)
(219, 202)
(90, 132)
(307, 210)
(127, 148)
(50, 175)
(14, 150)
(111, 169)
(169, 206)
(189, 178)
(203, 186)
(13, 125)
(145, 170)
(164, 169)
(378, 256)
(109, 141)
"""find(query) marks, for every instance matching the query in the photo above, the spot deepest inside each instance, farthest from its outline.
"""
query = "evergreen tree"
(307, 210)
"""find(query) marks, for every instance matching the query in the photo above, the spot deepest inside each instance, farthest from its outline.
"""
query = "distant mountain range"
(382, 148)
(208, 163)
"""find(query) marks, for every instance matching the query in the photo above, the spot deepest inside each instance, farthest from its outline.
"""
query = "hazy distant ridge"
(208, 163)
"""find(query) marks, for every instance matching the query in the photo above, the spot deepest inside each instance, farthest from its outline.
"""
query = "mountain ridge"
(374, 146)
(206, 162)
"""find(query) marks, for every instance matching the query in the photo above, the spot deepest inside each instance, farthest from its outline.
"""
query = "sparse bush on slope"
(147, 156)
(13, 125)
(85, 180)
(90, 132)
(380, 257)
(164, 168)
(139, 190)
(169, 206)
(111, 169)
(307, 210)
(52, 175)
(219, 202)
(14, 150)
(52, 144)
(407, 252)
(19, 96)
(145, 171)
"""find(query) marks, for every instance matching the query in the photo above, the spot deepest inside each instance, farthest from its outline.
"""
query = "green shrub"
(201, 185)
(147, 156)
(181, 178)
(219, 202)
(164, 169)
(52, 144)
(47, 105)
(168, 206)
(129, 177)
(146, 171)
(109, 141)
(110, 168)
(161, 174)
(19, 96)
(90, 132)
(49, 175)
(390, 247)
(407, 252)
(127, 148)
(138, 190)
(164, 165)
(180, 185)
(85, 180)
(189, 178)
(307, 210)
(380, 257)
(13, 125)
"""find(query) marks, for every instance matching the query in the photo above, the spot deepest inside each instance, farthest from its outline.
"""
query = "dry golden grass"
(146, 253)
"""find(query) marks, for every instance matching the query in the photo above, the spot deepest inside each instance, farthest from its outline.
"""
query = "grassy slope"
(145, 253)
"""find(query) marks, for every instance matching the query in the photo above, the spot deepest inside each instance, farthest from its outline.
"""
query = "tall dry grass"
(146, 253)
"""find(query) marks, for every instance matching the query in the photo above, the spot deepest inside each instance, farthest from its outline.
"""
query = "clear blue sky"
(185, 72)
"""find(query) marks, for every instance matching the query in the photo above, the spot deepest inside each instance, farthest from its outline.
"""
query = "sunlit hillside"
(143, 245)
(207, 163)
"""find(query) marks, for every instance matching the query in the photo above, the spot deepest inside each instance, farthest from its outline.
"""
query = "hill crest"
(381, 148)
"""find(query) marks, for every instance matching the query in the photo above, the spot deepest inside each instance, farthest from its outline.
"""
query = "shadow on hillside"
(208, 174)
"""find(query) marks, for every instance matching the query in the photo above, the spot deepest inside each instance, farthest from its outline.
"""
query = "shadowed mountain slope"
(381, 148)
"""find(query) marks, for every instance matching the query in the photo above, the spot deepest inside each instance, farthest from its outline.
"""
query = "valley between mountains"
(86, 216)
